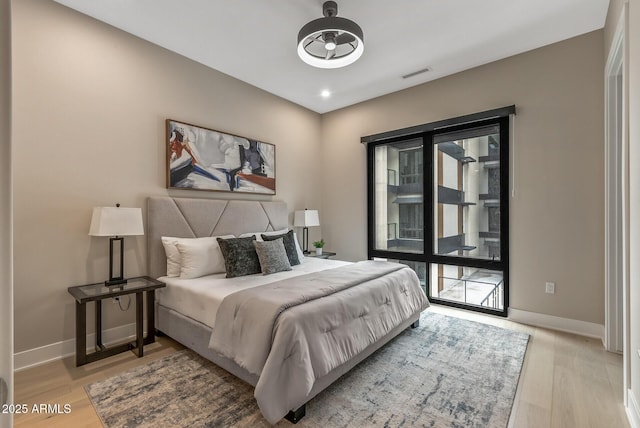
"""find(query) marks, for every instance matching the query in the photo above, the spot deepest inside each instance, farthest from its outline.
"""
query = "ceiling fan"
(331, 41)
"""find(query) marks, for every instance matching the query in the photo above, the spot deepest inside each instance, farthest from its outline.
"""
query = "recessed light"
(325, 94)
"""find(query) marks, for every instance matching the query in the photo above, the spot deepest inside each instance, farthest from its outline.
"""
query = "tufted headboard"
(197, 218)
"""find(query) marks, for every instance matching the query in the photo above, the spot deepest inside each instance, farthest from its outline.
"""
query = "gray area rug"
(448, 372)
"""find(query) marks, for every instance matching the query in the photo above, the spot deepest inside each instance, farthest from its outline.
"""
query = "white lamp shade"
(306, 218)
(116, 221)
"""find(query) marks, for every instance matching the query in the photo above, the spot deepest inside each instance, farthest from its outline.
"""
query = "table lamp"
(305, 219)
(116, 222)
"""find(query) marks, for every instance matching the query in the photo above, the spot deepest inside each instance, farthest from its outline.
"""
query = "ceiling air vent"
(415, 73)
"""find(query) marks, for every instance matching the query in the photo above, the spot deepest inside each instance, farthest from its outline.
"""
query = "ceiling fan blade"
(330, 54)
(344, 38)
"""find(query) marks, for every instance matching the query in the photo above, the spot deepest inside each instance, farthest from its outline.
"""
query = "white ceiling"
(255, 40)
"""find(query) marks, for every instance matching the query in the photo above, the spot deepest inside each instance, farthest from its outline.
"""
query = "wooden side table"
(97, 293)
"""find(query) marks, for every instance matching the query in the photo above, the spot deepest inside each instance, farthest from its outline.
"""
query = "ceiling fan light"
(324, 32)
(334, 62)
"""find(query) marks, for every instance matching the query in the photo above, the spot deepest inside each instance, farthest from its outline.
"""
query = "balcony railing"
(410, 231)
(459, 292)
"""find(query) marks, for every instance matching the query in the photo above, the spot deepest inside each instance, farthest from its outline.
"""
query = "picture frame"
(200, 158)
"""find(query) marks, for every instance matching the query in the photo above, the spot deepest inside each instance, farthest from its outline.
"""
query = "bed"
(308, 344)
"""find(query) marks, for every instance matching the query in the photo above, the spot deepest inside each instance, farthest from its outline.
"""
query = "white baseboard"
(56, 351)
(633, 410)
(583, 328)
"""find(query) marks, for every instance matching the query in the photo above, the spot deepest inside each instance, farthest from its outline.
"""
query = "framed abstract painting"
(205, 159)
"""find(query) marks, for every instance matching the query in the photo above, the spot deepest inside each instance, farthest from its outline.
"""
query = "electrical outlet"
(550, 288)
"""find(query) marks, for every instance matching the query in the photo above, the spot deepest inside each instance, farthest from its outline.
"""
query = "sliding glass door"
(438, 203)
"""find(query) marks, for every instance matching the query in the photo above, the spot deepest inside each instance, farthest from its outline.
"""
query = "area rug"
(448, 372)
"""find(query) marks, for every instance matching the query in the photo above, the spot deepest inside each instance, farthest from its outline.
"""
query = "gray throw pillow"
(240, 257)
(272, 255)
(289, 245)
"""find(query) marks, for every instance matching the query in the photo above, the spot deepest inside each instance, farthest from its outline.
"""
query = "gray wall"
(611, 23)
(557, 231)
(6, 275)
(89, 123)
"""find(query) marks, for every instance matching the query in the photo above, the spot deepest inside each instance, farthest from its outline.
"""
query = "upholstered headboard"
(197, 218)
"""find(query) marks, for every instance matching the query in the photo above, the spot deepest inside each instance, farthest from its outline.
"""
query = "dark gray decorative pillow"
(272, 255)
(240, 257)
(289, 245)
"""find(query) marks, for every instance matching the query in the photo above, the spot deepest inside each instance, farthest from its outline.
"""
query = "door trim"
(616, 197)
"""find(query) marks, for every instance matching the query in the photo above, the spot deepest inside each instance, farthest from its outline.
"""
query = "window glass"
(466, 182)
(468, 285)
(399, 200)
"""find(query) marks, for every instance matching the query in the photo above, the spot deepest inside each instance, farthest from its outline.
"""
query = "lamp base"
(305, 240)
(116, 281)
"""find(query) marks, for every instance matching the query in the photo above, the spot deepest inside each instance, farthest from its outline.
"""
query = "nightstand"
(324, 255)
(97, 293)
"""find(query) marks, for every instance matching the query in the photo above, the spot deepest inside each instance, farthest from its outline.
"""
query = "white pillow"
(200, 257)
(298, 250)
(259, 238)
(173, 255)
(174, 258)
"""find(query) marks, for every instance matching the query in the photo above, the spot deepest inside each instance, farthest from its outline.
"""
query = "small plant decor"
(319, 244)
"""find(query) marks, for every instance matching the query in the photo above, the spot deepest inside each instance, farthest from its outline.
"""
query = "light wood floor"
(567, 381)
